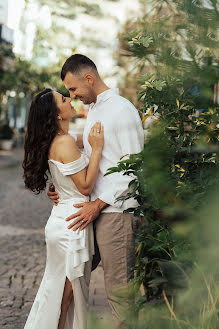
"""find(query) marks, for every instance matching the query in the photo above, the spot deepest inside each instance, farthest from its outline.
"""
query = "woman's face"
(66, 110)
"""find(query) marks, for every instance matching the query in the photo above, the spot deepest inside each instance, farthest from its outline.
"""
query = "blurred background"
(37, 36)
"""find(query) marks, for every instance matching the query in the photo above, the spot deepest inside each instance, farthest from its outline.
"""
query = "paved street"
(22, 219)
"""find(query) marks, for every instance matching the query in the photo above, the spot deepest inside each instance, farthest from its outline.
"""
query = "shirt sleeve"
(130, 135)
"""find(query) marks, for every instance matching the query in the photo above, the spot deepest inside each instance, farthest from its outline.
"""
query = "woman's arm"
(69, 152)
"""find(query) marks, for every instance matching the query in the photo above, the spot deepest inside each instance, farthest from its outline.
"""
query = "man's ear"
(90, 79)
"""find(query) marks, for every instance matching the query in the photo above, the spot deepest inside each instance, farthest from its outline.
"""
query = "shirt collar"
(104, 96)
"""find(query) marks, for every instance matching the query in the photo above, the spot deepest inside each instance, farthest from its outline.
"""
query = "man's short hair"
(75, 64)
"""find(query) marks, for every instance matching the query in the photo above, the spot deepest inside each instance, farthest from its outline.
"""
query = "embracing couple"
(83, 196)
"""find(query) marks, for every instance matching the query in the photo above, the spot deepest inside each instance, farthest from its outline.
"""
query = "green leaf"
(156, 282)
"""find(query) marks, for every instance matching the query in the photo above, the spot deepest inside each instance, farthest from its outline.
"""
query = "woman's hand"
(96, 138)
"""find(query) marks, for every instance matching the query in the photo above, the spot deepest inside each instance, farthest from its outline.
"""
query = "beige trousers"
(115, 233)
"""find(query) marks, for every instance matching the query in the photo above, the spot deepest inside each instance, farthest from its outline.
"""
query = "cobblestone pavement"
(22, 247)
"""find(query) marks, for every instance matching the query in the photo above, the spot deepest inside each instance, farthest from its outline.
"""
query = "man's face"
(81, 87)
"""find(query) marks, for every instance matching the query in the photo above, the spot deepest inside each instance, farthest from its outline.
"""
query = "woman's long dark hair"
(42, 127)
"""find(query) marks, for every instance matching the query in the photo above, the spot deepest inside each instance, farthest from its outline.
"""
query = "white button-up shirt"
(123, 134)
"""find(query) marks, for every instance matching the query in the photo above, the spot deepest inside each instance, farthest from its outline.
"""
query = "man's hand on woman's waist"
(53, 195)
(88, 213)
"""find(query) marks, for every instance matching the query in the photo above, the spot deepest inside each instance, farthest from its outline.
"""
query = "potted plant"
(6, 137)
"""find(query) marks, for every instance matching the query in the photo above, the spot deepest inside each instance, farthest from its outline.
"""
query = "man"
(123, 135)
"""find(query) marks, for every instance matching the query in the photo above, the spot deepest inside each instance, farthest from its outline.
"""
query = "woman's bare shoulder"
(64, 140)
(67, 148)
(64, 148)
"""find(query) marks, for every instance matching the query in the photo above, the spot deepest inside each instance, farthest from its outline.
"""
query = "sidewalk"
(97, 300)
(11, 158)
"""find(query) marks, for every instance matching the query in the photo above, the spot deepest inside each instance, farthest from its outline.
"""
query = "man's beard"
(91, 97)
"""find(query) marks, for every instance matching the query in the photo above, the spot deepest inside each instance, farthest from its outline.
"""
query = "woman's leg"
(66, 301)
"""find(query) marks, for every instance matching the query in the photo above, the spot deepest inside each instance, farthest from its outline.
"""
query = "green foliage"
(70, 8)
(197, 305)
(26, 77)
(178, 168)
(175, 38)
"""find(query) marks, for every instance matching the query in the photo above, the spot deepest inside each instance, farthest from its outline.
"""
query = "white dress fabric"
(69, 254)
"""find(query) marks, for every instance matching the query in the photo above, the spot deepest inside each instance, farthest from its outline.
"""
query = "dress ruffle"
(71, 167)
(80, 248)
(77, 254)
(79, 244)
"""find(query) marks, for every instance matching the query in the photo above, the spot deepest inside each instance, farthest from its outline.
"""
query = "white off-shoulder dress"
(69, 254)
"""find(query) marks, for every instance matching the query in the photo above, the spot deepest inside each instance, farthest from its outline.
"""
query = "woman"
(61, 301)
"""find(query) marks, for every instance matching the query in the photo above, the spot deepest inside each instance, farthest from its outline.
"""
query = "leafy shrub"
(178, 168)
